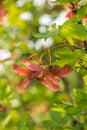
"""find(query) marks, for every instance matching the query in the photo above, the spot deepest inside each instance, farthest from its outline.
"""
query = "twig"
(31, 56)
(40, 60)
(85, 45)
(45, 49)
(49, 56)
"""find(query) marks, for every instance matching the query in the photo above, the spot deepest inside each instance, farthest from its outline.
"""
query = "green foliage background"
(37, 108)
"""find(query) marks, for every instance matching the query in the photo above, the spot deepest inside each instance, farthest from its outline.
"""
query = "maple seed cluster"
(46, 75)
(71, 11)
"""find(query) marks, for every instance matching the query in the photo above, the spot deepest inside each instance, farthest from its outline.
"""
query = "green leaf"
(48, 124)
(63, 1)
(85, 81)
(64, 56)
(72, 31)
(78, 54)
(45, 35)
(24, 128)
(72, 110)
(81, 99)
(57, 120)
(80, 14)
(66, 1)
(69, 108)
(23, 120)
(75, 0)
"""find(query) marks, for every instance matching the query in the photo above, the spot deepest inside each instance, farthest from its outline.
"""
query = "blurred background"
(19, 19)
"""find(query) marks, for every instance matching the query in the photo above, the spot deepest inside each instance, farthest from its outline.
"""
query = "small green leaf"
(45, 35)
(48, 124)
(78, 54)
(81, 99)
(58, 119)
(24, 128)
(80, 14)
(23, 120)
(64, 56)
(72, 31)
(65, 1)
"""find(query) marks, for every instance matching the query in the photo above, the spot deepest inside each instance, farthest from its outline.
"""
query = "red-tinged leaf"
(84, 20)
(51, 77)
(25, 83)
(3, 20)
(63, 72)
(49, 84)
(3, 15)
(70, 14)
(33, 66)
(69, 7)
(19, 70)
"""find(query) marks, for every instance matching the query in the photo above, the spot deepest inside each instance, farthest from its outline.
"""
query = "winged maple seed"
(43, 74)
(3, 15)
